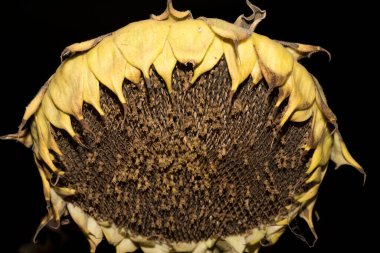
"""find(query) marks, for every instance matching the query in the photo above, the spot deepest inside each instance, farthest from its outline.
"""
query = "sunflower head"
(176, 134)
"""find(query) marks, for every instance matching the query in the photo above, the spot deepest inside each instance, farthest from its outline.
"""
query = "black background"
(35, 32)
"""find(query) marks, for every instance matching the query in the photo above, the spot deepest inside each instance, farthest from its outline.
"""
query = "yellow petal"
(45, 220)
(322, 153)
(237, 242)
(165, 64)
(300, 51)
(34, 135)
(301, 116)
(307, 215)
(82, 46)
(239, 66)
(132, 74)
(64, 192)
(210, 243)
(66, 87)
(316, 177)
(308, 195)
(189, 40)
(43, 133)
(303, 92)
(340, 155)
(58, 204)
(319, 125)
(143, 241)
(112, 234)
(95, 235)
(23, 136)
(322, 104)
(53, 144)
(91, 92)
(273, 233)
(255, 236)
(126, 245)
(292, 104)
(201, 248)
(246, 59)
(327, 148)
(283, 222)
(226, 30)
(45, 182)
(256, 74)
(305, 88)
(108, 65)
(56, 117)
(156, 249)
(212, 57)
(183, 246)
(232, 62)
(142, 42)
(34, 104)
(285, 90)
(275, 61)
(316, 158)
(79, 217)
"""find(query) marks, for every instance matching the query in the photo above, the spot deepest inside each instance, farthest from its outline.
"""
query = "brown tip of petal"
(364, 177)
(171, 13)
(78, 140)
(125, 108)
(273, 79)
(22, 136)
(317, 49)
(22, 124)
(252, 21)
(9, 137)
(81, 46)
(85, 125)
(231, 96)
(304, 50)
(341, 156)
(321, 49)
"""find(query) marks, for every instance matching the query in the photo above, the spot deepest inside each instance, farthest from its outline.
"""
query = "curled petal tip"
(252, 21)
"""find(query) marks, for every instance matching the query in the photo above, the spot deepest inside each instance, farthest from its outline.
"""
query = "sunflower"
(176, 134)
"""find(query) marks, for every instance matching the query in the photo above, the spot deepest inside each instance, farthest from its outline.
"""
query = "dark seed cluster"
(186, 166)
